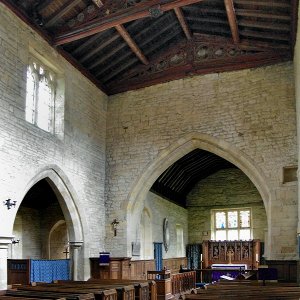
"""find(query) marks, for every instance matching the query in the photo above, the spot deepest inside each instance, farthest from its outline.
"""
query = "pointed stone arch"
(66, 197)
(183, 146)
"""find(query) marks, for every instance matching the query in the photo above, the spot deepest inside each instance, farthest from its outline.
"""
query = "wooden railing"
(183, 282)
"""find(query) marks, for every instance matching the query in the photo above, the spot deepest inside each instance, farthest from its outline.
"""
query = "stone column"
(4, 242)
(74, 247)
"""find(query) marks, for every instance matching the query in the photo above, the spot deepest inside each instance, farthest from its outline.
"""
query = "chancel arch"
(182, 147)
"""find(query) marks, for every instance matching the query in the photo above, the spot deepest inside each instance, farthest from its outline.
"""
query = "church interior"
(149, 142)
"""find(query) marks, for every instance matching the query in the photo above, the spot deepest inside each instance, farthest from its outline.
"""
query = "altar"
(230, 266)
(228, 270)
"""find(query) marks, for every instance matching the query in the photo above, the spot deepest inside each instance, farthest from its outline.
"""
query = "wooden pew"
(245, 291)
(144, 289)
(48, 295)
(121, 292)
(5, 296)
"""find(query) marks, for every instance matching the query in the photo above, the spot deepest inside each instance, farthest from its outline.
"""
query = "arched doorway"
(63, 206)
(37, 215)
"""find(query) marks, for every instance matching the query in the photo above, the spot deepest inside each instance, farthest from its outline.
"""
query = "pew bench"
(48, 295)
(122, 292)
(244, 291)
(144, 289)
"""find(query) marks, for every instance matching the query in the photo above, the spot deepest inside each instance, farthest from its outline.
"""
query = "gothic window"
(231, 224)
(40, 95)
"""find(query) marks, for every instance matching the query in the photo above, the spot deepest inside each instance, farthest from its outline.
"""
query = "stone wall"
(249, 111)
(75, 155)
(176, 215)
(224, 189)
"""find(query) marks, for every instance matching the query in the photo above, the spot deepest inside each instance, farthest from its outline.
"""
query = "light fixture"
(9, 203)
(15, 241)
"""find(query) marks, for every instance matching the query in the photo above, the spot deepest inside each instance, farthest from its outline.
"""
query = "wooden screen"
(231, 252)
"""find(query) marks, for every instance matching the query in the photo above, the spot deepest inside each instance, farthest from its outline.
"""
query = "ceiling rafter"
(271, 36)
(63, 10)
(100, 24)
(264, 25)
(183, 23)
(98, 3)
(129, 63)
(102, 45)
(132, 44)
(144, 42)
(262, 3)
(207, 20)
(43, 5)
(294, 21)
(232, 20)
(88, 43)
(265, 15)
(106, 56)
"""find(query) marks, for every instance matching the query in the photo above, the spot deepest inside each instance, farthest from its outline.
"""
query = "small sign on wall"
(136, 249)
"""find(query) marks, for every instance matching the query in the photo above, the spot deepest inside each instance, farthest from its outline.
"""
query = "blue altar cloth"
(42, 270)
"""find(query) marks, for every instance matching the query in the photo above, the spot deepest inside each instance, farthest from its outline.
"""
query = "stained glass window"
(231, 224)
(232, 219)
(245, 218)
(40, 93)
(220, 220)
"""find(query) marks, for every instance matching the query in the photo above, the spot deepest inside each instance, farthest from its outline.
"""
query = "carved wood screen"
(231, 252)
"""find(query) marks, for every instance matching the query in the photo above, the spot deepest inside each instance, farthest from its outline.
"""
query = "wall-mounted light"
(15, 241)
(9, 203)
(115, 224)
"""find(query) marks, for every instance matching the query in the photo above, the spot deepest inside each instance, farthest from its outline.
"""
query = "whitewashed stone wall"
(224, 189)
(176, 215)
(251, 110)
(76, 157)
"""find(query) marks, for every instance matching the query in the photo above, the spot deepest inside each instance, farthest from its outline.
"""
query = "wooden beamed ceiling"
(128, 44)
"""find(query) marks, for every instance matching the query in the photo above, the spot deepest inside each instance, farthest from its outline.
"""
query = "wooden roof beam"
(183, 23)
(139, 11)
(98, 3)
(62, 11)
(264, 15)
(130, 62)
(143, 43)
(232, 20)
(294, 21)
(132, 44)
(43, 5)
(263, 3)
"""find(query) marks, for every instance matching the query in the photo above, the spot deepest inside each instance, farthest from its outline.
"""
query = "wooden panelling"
(18, 271)
(124, 268)
(287, 269)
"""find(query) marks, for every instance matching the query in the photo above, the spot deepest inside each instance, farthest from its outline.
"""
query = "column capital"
(75, 244)
(5, 241)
